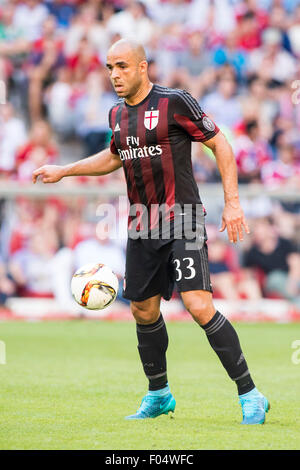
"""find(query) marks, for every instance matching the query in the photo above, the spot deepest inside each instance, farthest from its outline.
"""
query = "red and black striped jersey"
(153, 140)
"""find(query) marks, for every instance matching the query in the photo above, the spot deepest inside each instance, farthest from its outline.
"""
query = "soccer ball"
(94, 286)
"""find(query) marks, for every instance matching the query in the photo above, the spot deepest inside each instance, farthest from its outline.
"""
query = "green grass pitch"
(68, 385)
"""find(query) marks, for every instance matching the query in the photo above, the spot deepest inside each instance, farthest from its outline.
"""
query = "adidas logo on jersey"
(117, 128)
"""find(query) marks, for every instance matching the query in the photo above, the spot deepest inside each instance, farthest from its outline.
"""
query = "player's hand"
(48, 174)
(233, 219)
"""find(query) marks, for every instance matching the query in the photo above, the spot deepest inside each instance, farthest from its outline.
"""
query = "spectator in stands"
(224, 104)
(44, 61)
(36, 157)
(258, 105)
(293, 32)
(165, 49)
(91, 111)
(271, 62)
(12, 35)
(231, 53)
(195, 64)
(63, 11)
(30, 16)
(288, 5)
(283, 171)
(279, 20)
(204, 166)
(229, 280)
(39, 147)
(86, 25)
(43, 269)
(153, 71)
(170, 12)
(30, 266)
(286, 122)
(195, 59)
(20, 225)
(7, 286)
(58, 101)
(286, 224)
(132, 22)
(252, 20)
(85, 60)
(12, 136)
(277, 259)
(14, 47)
(252, 153)
(217, 17)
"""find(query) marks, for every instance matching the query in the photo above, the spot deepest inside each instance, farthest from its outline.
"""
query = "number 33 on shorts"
(192, 272)
(184, 268)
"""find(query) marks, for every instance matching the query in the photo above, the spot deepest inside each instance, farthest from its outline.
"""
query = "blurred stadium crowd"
(240, 59)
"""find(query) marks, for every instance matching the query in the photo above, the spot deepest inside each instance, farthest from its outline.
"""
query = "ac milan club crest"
(208, 124)
(151, 119)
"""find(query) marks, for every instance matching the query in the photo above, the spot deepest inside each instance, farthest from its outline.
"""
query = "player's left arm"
(233, 217)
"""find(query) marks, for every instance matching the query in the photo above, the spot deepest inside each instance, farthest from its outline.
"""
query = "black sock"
(225, 342)
(152, 346)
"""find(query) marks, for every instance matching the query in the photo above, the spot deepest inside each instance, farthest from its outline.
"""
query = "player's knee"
(144, 315)
(201, 309)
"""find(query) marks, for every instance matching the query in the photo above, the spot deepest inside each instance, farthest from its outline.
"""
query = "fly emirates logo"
(134, 151)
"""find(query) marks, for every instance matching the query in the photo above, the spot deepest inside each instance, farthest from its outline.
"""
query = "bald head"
(128, 68)
(128, 46)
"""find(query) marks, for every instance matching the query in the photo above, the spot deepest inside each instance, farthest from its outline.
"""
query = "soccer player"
(152, 130)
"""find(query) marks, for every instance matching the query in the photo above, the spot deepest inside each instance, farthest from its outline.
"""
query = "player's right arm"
(99, 164)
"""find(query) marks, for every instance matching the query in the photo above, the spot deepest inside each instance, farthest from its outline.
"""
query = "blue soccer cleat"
(155, 404)
(254, 407)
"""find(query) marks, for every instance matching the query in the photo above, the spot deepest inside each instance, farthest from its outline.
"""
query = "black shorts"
(153, 267)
